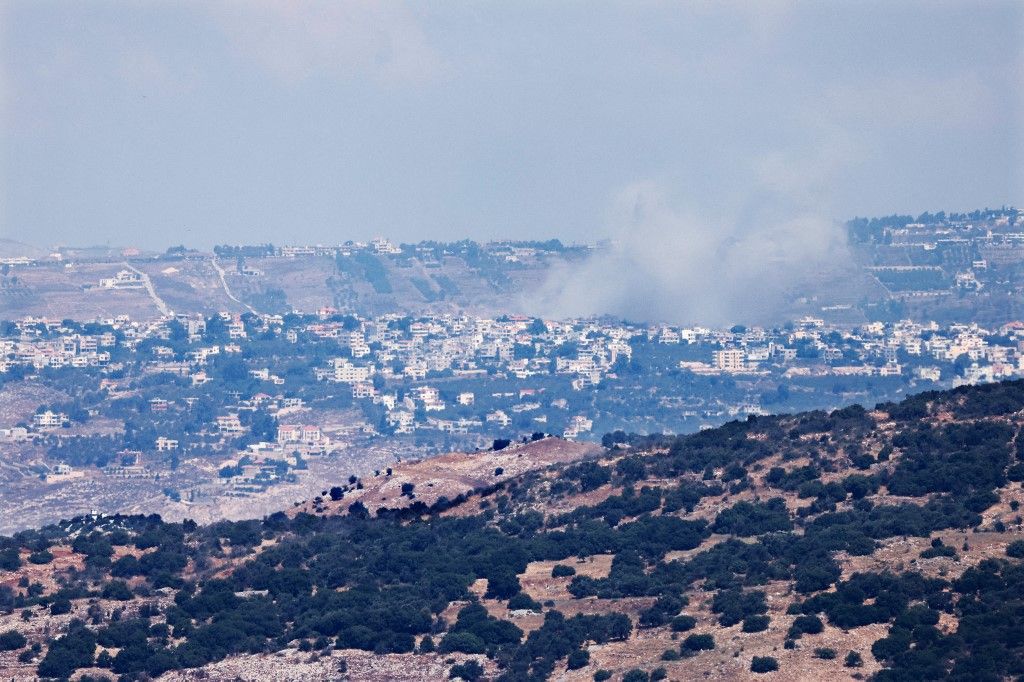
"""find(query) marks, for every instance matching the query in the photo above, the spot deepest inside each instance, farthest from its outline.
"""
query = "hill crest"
(851, 543)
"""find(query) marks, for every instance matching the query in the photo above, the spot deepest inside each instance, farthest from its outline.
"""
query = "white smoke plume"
(666, 263)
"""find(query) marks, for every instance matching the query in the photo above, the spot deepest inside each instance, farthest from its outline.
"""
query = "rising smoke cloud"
(668, 263)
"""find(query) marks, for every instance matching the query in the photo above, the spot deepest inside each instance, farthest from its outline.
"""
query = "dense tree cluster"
(749, 518)
(381, 584)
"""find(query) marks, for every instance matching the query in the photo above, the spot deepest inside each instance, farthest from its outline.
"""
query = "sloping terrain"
(10, 248)
(57, 292)
(451, 478)
(190, 286)
(884, 543)
(369, 285)
(374, 285)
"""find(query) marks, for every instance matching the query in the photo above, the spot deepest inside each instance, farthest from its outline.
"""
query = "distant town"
(234, 404)
(958, 267)
(192, 396)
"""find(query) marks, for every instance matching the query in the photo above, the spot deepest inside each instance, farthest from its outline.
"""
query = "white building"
(730, 360)
(49, 420)
(230, 424)
(166, 444)
(577, 425)
(347, 373)
(499, 417)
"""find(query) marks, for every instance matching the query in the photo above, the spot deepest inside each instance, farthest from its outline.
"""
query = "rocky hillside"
(881, 543)
(468, 279)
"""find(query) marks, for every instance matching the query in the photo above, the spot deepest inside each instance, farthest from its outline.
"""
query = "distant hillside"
(10, 248)
(884, 542)
(468, 279)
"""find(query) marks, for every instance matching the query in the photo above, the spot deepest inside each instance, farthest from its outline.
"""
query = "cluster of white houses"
(392, 361)
(875, 349)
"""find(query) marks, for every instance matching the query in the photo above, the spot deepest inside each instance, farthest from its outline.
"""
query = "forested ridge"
(742, 546)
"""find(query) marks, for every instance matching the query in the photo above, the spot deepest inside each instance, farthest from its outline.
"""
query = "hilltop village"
(214, 384)
(233, 404)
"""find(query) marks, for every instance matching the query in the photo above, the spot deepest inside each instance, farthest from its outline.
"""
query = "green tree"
(763, 664)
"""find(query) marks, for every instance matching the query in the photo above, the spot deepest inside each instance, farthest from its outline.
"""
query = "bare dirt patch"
(454, 474)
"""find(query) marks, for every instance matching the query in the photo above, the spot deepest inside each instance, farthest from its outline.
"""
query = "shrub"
(602, 675)
(862, 461)
(734, 605)
(1015, 472)
(683, 623)
(636, 675)
(125, 567)
(73, 650)
(805, 625)
(763, 664)
(502, 583)
(11, 640)
(631, 469)
(1015, 549)
(465, 642)
(749, 518)
(9, 559)
(523, 601)
(853, 660)
(941, 550)
(758, 623)
(60, 607)
(825, 653)
(475, 630)
(118, 590)
(562, 571)
(469, 671)
(578, 659)
(698, 643)
(889, 647)
(590, 475)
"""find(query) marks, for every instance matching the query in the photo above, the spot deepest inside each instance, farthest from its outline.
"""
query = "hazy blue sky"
(153, 123)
